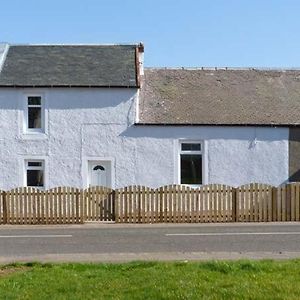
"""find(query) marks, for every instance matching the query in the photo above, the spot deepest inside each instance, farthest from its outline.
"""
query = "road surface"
(118, 243)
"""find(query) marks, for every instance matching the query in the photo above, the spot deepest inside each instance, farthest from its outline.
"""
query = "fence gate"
(99, 204)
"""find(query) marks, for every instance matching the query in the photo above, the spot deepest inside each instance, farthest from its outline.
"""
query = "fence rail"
(139, 204)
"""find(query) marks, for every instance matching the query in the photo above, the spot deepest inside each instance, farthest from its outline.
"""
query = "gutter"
(219, 124)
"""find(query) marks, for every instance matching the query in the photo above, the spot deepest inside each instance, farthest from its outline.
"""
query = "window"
(34, 114)
(34, 173)
(190, 163)
(98, 167)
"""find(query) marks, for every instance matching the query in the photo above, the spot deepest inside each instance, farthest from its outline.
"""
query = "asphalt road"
(112, 242)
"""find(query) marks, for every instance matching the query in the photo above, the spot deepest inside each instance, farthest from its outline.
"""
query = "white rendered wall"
(232, 155)
(88, 124)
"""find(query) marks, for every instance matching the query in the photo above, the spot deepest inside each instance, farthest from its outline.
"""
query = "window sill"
(33, 136)
(194, 186)
(40, 188)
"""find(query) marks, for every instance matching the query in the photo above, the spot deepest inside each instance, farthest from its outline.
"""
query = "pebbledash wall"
(84, 124)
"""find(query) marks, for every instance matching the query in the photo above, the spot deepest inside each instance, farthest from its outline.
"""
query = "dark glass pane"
(190, 147)
(34, 117)
(34, 164)
(34, 100)
(35, 178)
(191, 169)
(99, 168)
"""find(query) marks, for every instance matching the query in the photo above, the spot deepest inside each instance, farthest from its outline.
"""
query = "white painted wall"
(232, 155)
(92, 124)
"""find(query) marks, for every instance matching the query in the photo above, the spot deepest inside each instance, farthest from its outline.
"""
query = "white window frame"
(191, 152)
(28, 130)
(26, 168)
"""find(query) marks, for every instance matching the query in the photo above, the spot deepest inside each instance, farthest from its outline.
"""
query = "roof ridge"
(72, 44)
(280, 69)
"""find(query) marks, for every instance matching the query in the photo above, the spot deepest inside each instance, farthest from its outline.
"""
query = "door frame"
(85, 169)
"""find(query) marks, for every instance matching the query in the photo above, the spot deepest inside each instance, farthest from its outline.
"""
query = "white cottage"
(84, 115)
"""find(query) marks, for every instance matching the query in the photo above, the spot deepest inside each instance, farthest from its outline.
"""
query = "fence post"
(234, 205)
(77, 205)
(161, 212)
(114, 208)
(84, 207)
(115, 201)
(288, 202)
(4, 207)
(274, 203)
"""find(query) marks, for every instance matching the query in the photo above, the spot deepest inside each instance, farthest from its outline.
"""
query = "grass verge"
(153, 280)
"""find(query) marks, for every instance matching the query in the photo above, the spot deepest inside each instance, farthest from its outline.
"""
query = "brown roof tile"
(220, 97)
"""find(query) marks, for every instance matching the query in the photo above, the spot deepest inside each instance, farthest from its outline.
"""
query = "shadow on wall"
(294, 154)
(295, 177)
(66, 98)
(251, 134)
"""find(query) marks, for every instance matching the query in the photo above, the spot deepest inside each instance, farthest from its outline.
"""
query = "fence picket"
(4, 207)
(193, 206)
(292, 190)
(269, 204)
(222, 204)
(297, 206)
(278, 203)
(264, 204)
(157, 206)
(288, 202)
(180, 205)
(224, 217)
(144, 206)
(284, 203)
(260, 202)
(242, 203)
(206, 204)
(150, 204)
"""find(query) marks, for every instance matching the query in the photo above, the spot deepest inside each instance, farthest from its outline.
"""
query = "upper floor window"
(190, 163)
(34, 114)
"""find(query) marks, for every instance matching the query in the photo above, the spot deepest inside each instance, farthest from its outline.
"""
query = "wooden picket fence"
(174, 204)
(61, 205)
(138, 204)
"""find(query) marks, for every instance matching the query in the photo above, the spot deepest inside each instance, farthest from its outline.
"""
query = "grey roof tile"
(70, 65)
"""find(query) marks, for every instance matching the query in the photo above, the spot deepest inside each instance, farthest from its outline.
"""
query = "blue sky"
(258, 33)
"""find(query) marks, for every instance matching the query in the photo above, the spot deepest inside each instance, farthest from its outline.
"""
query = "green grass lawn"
(153, 280)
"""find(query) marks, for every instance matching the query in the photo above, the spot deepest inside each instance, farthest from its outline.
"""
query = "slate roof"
(220, 97)
(70, 65)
